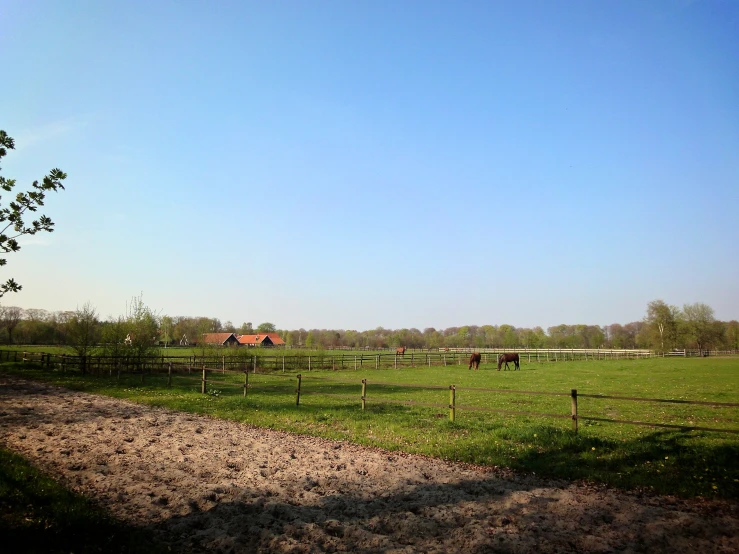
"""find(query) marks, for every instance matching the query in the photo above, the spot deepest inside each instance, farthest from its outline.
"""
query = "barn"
(262, 339)
(220, 339)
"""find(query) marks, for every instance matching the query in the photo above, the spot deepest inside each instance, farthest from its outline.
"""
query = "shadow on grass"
(666, 462)
(37, 515)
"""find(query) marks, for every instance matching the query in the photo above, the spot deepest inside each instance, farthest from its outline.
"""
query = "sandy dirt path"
(210, 485)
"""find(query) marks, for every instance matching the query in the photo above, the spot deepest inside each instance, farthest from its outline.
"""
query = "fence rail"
(221, 368)
(300, 362)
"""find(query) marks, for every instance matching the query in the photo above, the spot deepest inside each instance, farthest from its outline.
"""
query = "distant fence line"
(242, 360)
(202, 375)
(299, 362)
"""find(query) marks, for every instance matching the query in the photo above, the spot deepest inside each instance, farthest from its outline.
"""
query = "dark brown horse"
(475, 360)
(400, 351)
(505, 358)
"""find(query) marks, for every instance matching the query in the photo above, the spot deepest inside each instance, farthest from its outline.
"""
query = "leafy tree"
(538, 338)
(166, 327)
(12, 225)
(215, 325)
(310, 340)
(114, 333)
(246, 329)
(203, 327)
(663, 321)
(510, 337)
(266, 328)
(135, 334)
(83, 332)
(60, 320)
(36, 327)
(592, 336)
(699, 323)
(10, 317)
(638, 333)
(463, 336)
(732, 334)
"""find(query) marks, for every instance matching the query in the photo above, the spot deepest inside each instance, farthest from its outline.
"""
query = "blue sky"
(358, 164)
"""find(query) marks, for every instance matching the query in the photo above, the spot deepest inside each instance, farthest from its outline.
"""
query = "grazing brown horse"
(400, 351)
(475, 360)
(505, 358)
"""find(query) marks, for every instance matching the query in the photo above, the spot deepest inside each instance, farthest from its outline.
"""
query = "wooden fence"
(684, 353)
(557, 354)
(573, 415)
(202, 375)
(308, 362)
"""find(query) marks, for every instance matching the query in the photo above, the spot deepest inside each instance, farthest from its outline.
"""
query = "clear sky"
(349, 165)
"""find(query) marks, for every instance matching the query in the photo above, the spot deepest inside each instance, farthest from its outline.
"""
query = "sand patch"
(210, 485)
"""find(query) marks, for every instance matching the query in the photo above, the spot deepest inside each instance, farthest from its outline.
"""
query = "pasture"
(407, 410)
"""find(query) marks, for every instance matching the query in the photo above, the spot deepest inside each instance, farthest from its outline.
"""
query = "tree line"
(140, 329)
(663, 328)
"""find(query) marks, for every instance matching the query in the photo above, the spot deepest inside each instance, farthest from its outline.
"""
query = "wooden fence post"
(297, 397)
(255, 364)
(169, 375)
(396, 361)
(246, 382)
(202, 388)
(355, 363)
(308, 363)
(364, 393)
(452, 402)
(377, 362)
(574, 410)
(283, 363)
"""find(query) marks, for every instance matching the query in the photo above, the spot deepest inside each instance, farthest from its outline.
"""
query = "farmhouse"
(264, 339)
(221, 339)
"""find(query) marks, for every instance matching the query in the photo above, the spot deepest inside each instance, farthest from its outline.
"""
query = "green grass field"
(415, 418)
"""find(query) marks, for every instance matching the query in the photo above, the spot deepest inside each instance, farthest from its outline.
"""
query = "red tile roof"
(216, 338)
(253, 340)
(275, 338)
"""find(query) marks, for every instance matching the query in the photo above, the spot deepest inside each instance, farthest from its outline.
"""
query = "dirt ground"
(207, 485)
